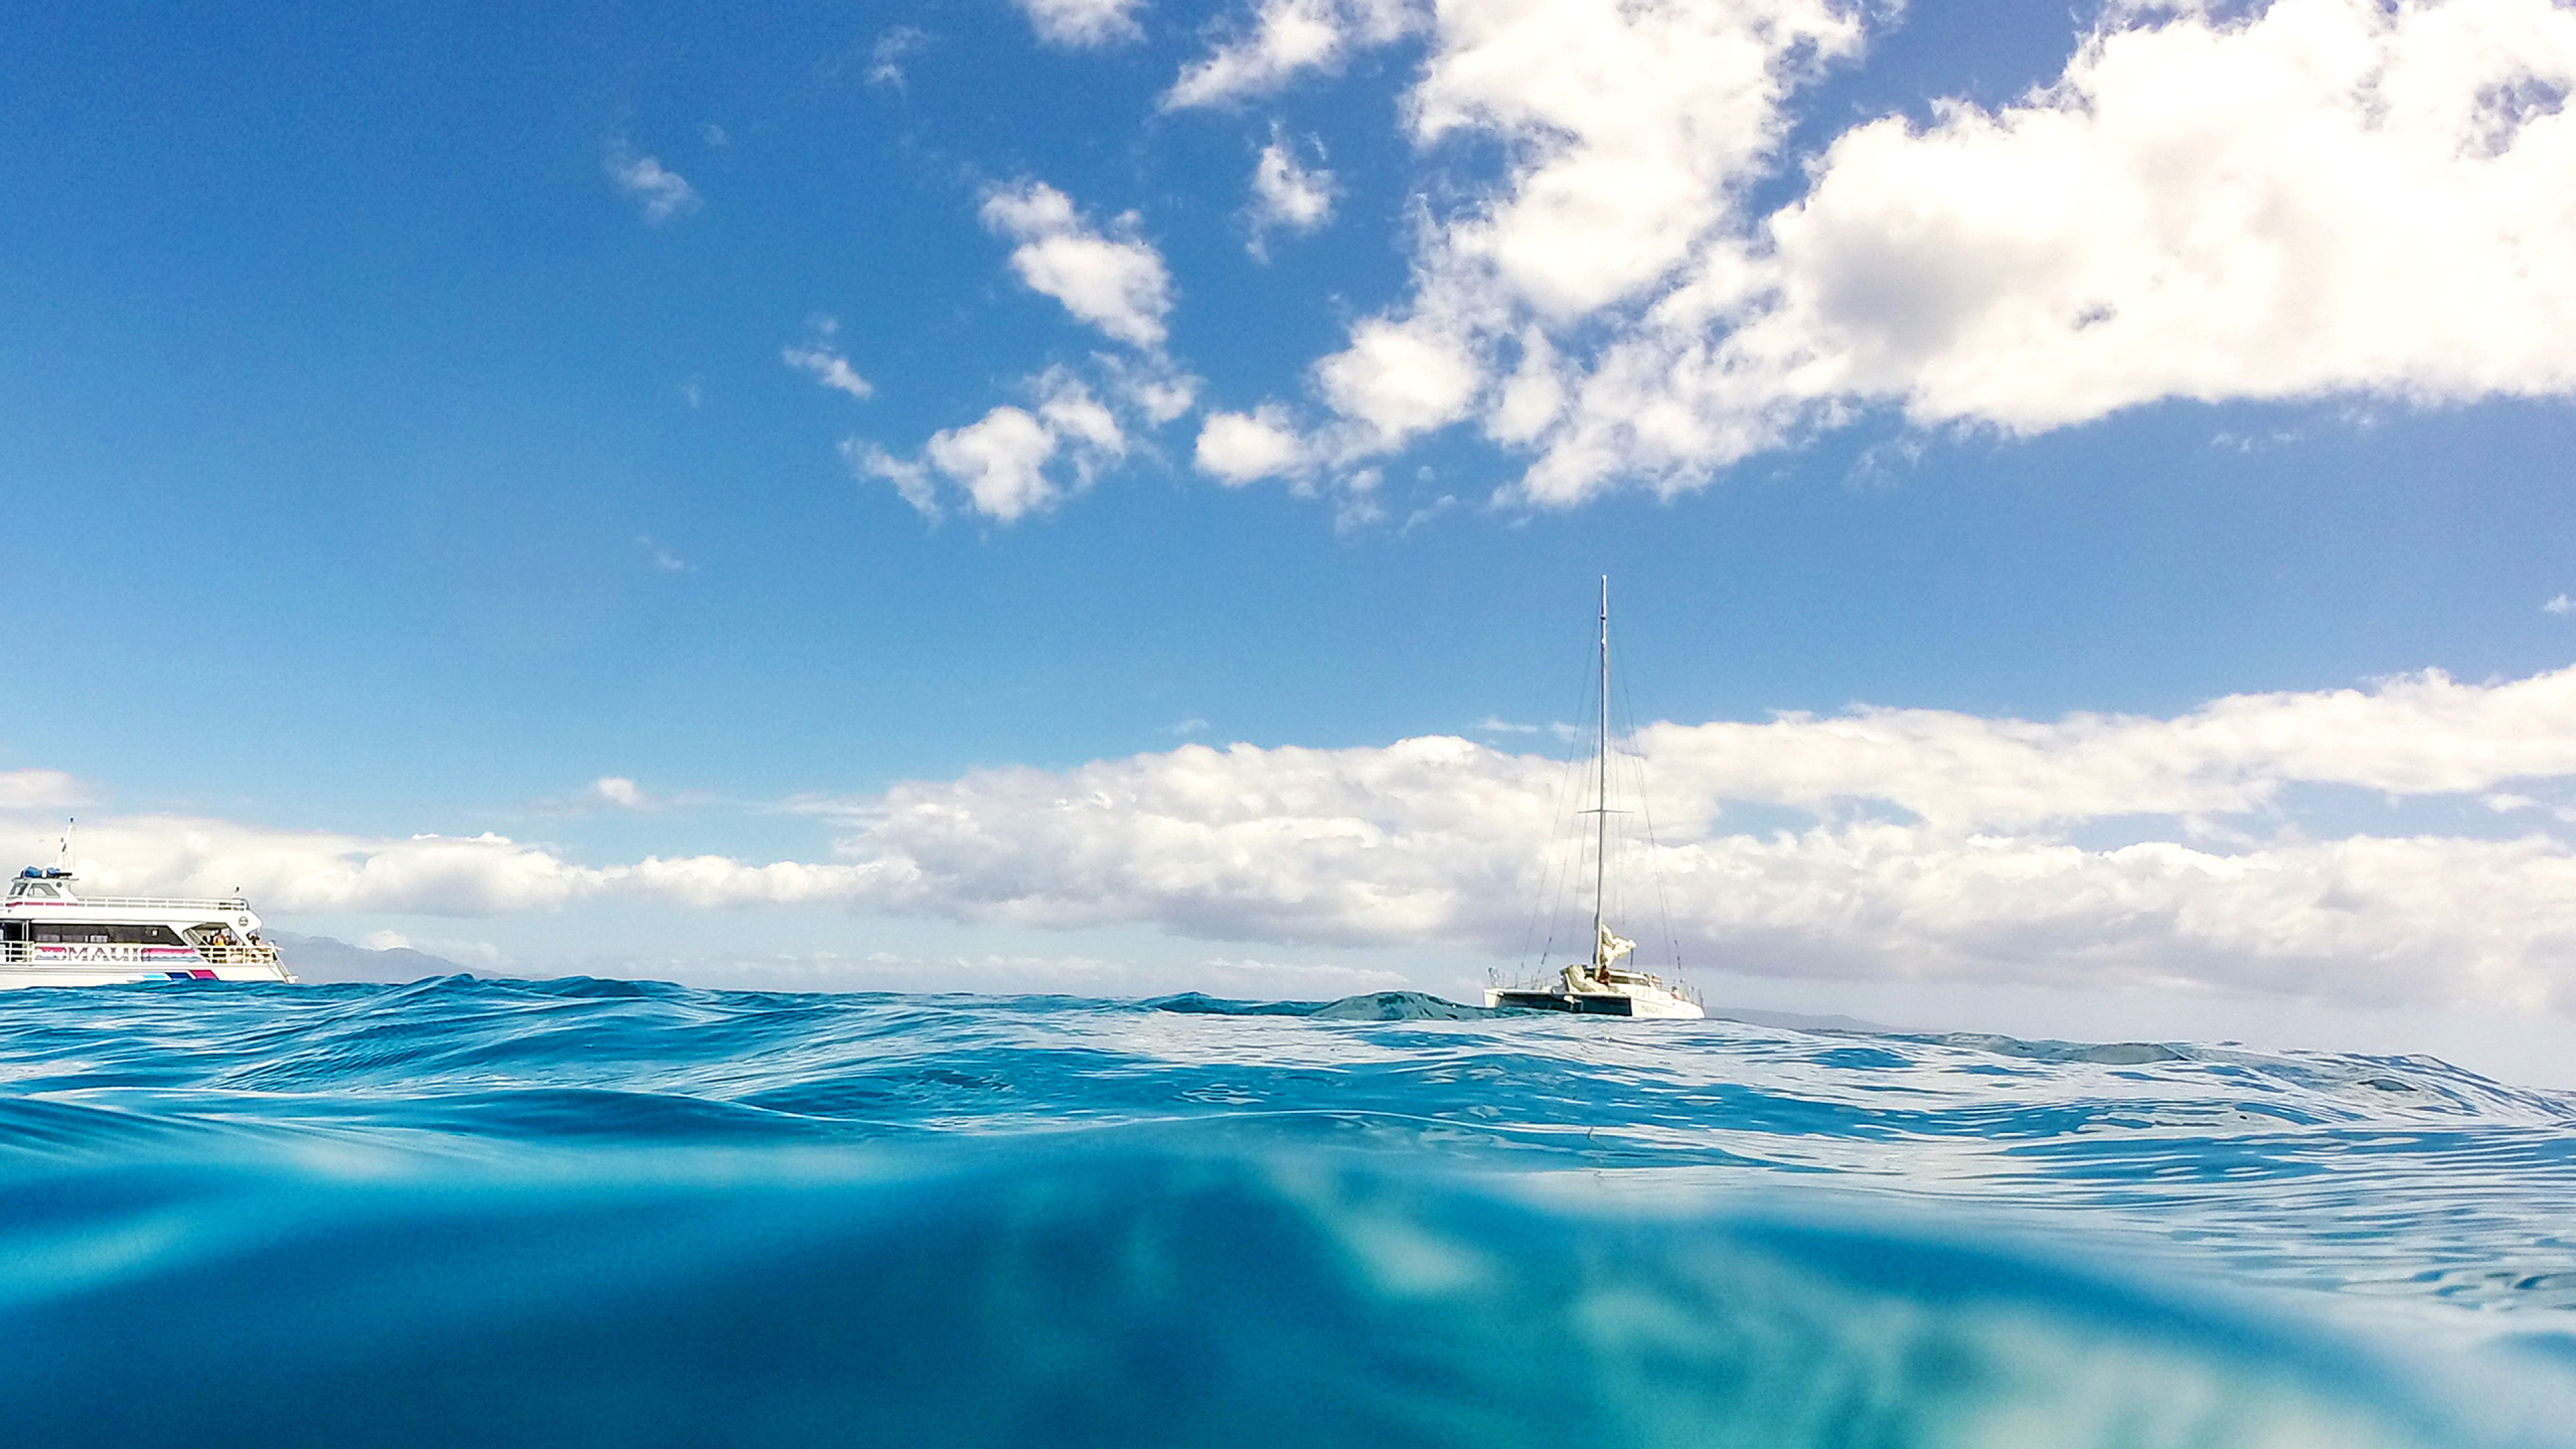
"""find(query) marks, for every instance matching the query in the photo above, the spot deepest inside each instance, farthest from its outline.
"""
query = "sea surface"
(590, 1212)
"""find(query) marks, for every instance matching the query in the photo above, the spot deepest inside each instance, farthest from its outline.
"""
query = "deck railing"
(151, 903)
(73, 955)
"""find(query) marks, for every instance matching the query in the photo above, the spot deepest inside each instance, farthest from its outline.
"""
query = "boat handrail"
(31, 953)
(142, 903)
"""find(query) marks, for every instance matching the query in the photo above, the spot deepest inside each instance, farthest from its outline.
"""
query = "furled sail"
(1612, 947)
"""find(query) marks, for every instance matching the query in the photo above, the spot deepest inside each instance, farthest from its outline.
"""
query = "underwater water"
(588, 1212)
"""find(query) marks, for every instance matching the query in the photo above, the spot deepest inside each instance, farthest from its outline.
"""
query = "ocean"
(587, 1212)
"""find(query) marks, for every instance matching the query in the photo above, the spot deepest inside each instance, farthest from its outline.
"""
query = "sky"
(1108, 495)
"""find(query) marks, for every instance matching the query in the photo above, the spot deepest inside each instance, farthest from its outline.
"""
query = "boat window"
(212, 933)
(77, 932)
(145, 934)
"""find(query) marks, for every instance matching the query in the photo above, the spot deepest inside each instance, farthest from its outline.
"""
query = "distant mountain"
(320, 958)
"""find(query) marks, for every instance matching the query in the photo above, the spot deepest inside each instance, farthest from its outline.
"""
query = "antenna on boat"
(63, 852)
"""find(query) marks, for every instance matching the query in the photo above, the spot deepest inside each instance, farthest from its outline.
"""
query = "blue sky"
(416, 421)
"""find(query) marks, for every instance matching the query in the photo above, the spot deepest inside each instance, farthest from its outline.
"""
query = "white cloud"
(1002, 462)
(819, 357)
(1083, 23)
(1436, 840)
(660, 191)
(1398, 380)
(910, 477)
(1287, 37)
(39, 790)
(1117, 283)
(620, 792)
(1441, 841)
(2560, 604)
(886, 57)
(1236, 448)
(1150, 384)
(2293, 200)
(290, 871)
(662, 558)
(2321, 199)
(1287, 194)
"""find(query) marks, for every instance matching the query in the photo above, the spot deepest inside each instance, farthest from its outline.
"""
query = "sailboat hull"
(1593, 1003)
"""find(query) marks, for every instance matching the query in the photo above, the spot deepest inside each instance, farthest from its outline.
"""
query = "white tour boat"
(50, 936)
(1601, 986)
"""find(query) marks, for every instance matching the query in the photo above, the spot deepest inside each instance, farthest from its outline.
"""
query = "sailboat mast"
(1601, 799)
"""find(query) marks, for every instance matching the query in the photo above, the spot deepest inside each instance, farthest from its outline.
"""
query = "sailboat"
(1601, 986)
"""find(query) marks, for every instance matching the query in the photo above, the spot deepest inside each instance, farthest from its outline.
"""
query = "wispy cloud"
(1287, 38)
(661, 192)
(1084, 24)
(818, 355)
(1287, 195)
(662, 558)
(891, 50)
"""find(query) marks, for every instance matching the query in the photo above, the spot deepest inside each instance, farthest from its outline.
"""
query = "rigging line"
(1548, 904)
(1654, 847)
(1567, 846)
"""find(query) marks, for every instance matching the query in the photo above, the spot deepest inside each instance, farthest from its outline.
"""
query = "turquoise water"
(585, 1212)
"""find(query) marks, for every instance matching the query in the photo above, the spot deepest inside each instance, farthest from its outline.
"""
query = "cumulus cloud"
(1236, 448)
(1080, 24)
(1439, 840)
(1013, 461)
(1287, 194)
(1285, 38)
(1113, 280)
(294, 871)
(1628, 132)
(660, 191)
(2292, 200)
(1921, 845)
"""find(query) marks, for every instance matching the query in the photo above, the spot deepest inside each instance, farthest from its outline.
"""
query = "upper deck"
(34, 888)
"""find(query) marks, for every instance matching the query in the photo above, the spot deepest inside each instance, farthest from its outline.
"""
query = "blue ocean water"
(588, 1212)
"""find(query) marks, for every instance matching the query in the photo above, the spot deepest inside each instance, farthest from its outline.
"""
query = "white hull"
(1644, 1002)
(50, 935)
(12, 977)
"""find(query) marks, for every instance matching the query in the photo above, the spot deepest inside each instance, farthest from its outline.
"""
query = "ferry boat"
(52, 936)
(1601, 986)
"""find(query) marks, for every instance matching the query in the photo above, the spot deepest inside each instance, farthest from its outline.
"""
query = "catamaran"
(51, 936)
(1601, 986)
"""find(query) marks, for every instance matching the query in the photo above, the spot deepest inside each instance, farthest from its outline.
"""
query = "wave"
(584, 1211)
